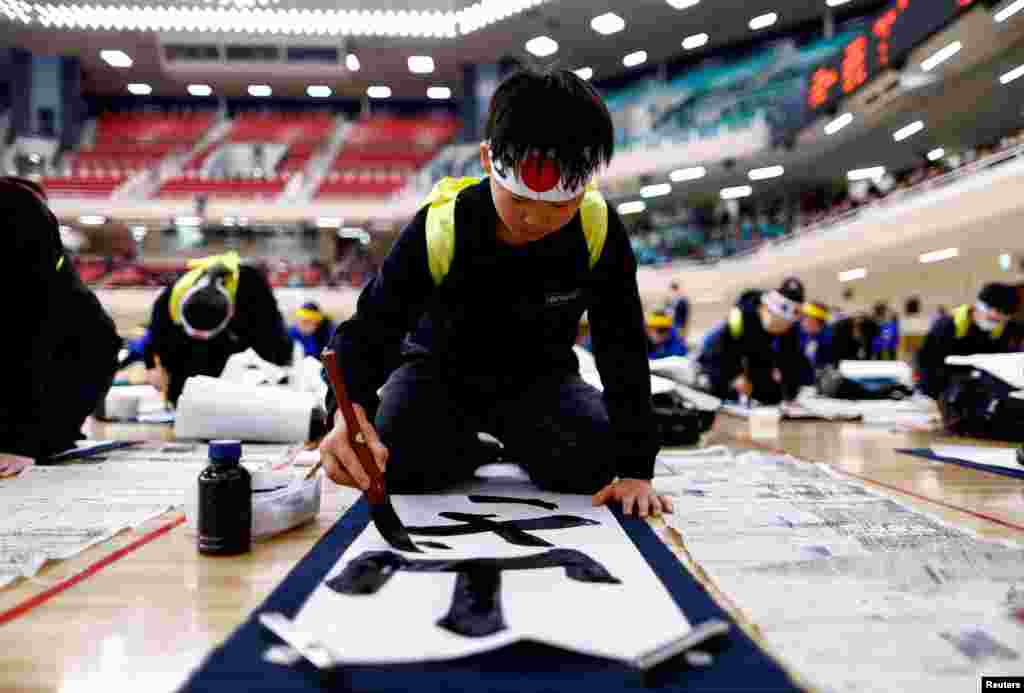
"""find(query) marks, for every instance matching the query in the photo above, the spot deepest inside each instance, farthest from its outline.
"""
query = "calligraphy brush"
(381, 511)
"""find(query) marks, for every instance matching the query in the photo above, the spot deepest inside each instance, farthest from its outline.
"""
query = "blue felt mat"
(927, 454)
(524, 667)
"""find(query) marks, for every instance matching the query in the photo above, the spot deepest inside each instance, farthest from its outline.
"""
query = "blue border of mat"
(523, 667)
(927, 454)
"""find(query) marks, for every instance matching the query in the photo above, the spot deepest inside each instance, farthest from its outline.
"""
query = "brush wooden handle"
(356, 438)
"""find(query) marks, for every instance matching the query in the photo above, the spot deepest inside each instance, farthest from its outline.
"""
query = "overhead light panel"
(1008, 11)
(260, 90)
(607, 23)
(116, 58)
(908, 130)
(318, 91)
(190, 221)
(737, 192)
(1012, 75)
(684, 174)
(838, 124)
(872, 173)
(140, 89)
(378, 91)
(656, 190)
(940, 56)
(836, 3)
(853, 274)
(635, 58)
(328, 222)
(200, 89)
(634, 207)
(766, 172)
(939, 255)
(542, 46)
(683, 4)
(352, 62)
(936, 154)
(92, 220)
(439, 93)
(584, 72)
(763, 21)
(695, 41)
(421, 64)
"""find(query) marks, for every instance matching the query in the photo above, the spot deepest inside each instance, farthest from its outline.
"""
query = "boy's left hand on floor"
(10, 465)
(634, 492)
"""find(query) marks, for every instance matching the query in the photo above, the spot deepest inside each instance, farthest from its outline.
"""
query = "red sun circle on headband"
(540, 174)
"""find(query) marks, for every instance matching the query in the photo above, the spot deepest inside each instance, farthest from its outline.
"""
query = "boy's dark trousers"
(555, 427)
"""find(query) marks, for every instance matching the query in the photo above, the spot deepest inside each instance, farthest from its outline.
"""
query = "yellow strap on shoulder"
(198, 268)
(60, 262)
(440, 229)
(962, 321)
(736, 323)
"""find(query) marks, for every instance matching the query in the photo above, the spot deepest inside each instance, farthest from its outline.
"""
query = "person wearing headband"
(65, 352)
(218, 308)
(519, 256)
(755, 354)
(985, 327)
(312, 329)
(662, 337)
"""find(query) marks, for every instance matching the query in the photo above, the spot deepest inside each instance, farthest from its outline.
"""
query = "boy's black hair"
(553, 111)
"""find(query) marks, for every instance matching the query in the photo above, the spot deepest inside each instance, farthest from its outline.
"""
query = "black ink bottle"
(225, 502)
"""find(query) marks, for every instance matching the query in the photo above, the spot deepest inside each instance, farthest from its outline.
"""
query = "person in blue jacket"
(663, 337)
(755, 354)
(312, 329)
(816, 339)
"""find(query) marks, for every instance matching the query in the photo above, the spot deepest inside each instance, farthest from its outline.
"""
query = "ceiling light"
(908, 131)
(421, 64)
(634, 59)
(584, 72)
(378, 92)
(695, 41)
(940, 56)
(683, 4)
(838, 124)
(836, 3)
(1012, 75)
(188, 221)
(439, 93)
(766, 173)
(260, 90)
(873, 173)
(352, 62)
(683, 174)
(542, 46)
(1008, 11)
(655, 190)
(737, 192)
(632, 207)
(936, 154)
(763, 21)
(853, 274)
(92, 220)
(607, 23)
(200, 89)
(318, 91)
(328, 222)
(116, 58)
(140, 89)
(939, 255)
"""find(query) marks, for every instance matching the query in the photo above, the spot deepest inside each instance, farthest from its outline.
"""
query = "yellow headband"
(307, 314)
(814, 311)
(198, 268)
(659, 322)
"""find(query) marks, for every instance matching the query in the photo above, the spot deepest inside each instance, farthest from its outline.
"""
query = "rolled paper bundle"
(211, 408)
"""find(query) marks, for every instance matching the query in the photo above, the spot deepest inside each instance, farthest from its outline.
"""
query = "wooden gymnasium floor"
(150, 616)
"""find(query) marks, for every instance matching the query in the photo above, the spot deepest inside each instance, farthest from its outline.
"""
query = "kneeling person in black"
(529, 248)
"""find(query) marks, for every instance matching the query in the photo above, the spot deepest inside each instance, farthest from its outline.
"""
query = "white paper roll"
(211, 408)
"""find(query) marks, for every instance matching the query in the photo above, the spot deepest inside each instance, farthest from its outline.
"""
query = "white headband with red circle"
(538, 178)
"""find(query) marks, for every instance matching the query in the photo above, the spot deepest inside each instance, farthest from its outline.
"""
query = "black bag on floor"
(978, 404)
(679, 421)
(832, 383)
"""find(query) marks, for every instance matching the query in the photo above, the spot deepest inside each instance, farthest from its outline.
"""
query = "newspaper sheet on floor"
(854, 590)
(56, 512)
(913, 411)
